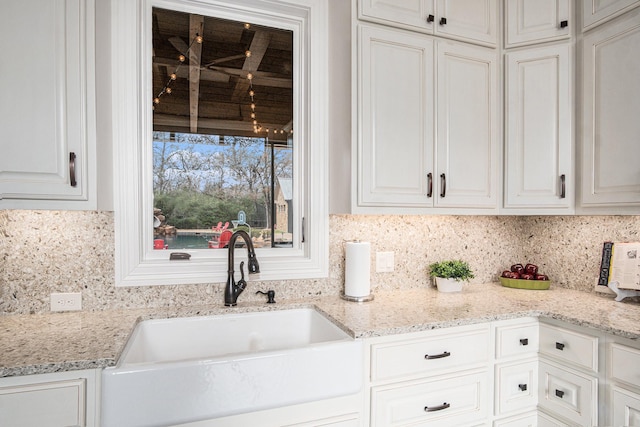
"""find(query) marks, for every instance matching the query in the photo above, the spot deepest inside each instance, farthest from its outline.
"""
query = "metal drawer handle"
(524, 341)
(72, 169)
(560, 346)
(443, 21)
(430, 18)
(445, 405)
(564, 24)
(559, 393)
(430, 184)
(522, 387)
(443, 183)
(437, 356)
(562, 186)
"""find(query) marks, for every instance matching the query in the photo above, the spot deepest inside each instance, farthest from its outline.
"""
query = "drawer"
(626, 407)
(428, 356)
(569, 394)
(569, 346)
(545, 420)
(516, 340)
(625, 364)
(449, 401)
(516, 386)
(529, 419)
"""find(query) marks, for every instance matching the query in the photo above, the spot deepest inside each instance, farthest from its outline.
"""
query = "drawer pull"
(522, 387)
(559, 393)
(437, 356)
(524, 341)
(430, 18)
(560, 346)
(72, 169)
(430, 184)
(445, 405)
(443, 184)
(564, 24)
(443, 21)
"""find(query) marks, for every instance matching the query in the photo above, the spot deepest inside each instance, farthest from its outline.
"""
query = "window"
(162, 154)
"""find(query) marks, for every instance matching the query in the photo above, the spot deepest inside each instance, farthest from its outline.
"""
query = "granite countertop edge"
(94, 340)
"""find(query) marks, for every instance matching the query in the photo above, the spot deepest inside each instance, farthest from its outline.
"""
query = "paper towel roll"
(357, 270)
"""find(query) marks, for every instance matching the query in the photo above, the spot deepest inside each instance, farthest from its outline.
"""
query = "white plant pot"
(448, 285)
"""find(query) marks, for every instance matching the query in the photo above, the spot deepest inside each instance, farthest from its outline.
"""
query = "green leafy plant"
(451, 269)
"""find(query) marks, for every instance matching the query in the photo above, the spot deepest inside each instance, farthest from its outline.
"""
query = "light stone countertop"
(44, 343)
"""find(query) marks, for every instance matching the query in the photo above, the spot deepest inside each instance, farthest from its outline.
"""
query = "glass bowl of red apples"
(524, 277)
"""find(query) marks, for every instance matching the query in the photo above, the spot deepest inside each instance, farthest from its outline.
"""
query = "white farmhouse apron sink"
(179, 370)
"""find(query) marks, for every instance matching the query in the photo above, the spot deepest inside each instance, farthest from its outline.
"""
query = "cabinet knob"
(559, 393)
(437, 356)
(72, 169)
(445, 405)
(522, 387)
(560, 346)
(430, 184)
(430, 18)
(443, 21)
(564, 24)
(524, 341)
(443, 184)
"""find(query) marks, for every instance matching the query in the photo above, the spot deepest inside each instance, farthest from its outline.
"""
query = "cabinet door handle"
(560, 346)
(443, 21)
(437, 356)
(443, 184)
(559, 393)
(562, 186)
(430, 184)
(524, 341)
(564, 24)
(72, 169)
(445, 405)
(522, 387)
(430, 18)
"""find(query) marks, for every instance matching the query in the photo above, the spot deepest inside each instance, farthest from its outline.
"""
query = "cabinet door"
(626, 407)
(46, 109)
(395, 123)
(413, 14)
(538, 147)
(611, 107)
(470, 20)
(595, 12)
(533, 21)
(467, 154)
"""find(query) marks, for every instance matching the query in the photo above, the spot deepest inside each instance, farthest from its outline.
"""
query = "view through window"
(223, 145)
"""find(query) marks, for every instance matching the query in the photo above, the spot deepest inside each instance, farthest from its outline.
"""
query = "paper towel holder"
(356, 299)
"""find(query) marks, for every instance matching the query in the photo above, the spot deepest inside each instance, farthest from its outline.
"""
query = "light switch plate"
(384, 262)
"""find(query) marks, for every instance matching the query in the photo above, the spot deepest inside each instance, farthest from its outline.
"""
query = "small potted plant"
(450, 274)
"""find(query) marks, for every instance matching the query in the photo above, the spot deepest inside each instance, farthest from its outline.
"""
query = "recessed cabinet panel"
(626, 407)
(569, 346)
(517, 340)
(413, 13)
(395, 149)
(471, 20)
(46, 104)
(625, 364)
(538, 148)
(516, 386)
(534, 21)
(467, 155)
(596, 12)
(611, 107)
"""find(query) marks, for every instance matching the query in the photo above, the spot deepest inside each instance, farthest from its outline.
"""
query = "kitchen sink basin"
(188, 369)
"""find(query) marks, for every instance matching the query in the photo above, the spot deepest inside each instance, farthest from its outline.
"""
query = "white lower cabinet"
(626, 407)
(623, 369)
(50, 400)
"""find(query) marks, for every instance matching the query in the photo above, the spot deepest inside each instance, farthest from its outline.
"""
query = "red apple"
(515, 275)
(527, 276)
(531, 269)
(506, 273)
(517, 268)
(541, 277)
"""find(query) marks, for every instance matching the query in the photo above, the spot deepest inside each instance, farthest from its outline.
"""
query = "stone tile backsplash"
(68, 251)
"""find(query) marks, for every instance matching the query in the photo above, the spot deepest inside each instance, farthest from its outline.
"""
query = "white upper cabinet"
(538, 144)
(399, 166)
(611, 108)
(595, 12)
(467, 126)
(534, 21)
(469, 20)
(47, 107)
(395, 113)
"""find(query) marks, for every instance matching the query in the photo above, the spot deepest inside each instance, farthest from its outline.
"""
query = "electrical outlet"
(67, 301)
(384, 262)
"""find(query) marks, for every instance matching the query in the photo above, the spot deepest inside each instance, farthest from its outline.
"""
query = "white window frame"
(137, 263)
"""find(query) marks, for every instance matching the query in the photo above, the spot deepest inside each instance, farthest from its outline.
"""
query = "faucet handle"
(271, 294)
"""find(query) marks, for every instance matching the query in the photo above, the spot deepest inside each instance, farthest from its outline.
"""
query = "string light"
(174, 76)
